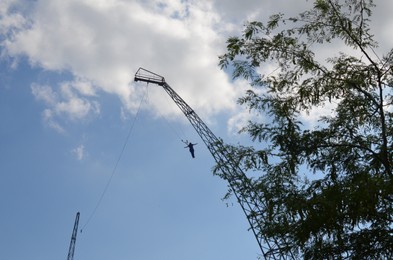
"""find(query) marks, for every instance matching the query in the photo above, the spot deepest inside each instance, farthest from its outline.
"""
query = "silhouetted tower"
(249, 200)
(73, 238)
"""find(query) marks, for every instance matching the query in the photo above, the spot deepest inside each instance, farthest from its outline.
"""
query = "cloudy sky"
(77, 134)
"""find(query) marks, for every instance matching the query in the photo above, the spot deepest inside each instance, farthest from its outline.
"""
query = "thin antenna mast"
(73, 238)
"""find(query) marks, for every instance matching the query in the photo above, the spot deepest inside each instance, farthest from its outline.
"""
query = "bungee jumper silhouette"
(191, 148)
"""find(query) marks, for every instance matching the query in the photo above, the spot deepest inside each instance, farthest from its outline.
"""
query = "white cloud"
(79, 152)
(9, 20)
(77, 108)
(238, 121)
(44, 93)
(312, 117)
(103, 42)
(82, 86)
(69, 102)
(48, 117)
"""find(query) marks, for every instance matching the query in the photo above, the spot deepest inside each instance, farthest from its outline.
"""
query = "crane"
(250, 201)
(73, 238)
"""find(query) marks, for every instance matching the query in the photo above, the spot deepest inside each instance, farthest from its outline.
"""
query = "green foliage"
(326, 190)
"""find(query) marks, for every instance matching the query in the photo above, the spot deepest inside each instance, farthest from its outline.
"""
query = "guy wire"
(117, 162)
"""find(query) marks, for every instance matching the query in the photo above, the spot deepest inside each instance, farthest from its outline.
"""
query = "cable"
(117, 162)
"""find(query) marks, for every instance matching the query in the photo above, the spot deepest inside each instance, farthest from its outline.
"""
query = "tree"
(327, 189)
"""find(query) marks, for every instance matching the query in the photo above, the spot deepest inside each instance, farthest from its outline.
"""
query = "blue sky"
(68, 101)
(161, 203)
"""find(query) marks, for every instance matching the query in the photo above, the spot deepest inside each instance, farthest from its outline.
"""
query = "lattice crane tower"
(241, 186)
(73, 238)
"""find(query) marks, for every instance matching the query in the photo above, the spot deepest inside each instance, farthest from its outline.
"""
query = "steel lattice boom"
(239, 183)
(73, 238)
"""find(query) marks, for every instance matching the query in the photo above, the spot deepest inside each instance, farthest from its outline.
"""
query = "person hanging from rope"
(191, 148)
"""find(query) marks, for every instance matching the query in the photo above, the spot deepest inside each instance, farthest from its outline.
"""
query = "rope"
(116, 164)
